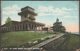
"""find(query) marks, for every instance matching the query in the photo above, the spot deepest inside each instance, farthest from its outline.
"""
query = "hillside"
(71, 43)
(15, 39)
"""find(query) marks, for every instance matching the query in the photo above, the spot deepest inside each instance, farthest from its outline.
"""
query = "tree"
(8, 20)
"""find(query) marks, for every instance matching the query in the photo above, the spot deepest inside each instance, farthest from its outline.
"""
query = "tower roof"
(27, 8)
(57, 20)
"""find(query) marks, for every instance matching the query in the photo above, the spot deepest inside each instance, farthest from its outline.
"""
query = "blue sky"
(48, 11)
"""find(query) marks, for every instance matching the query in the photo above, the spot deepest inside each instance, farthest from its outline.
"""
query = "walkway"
(47, 41)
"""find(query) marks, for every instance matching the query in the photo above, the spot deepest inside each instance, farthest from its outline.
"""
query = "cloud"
(54, 11)
(62, 12)
(10, 11)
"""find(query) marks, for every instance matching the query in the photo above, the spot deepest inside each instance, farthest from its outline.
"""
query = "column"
(39, 28)
(15, 28)
(32, 27)
(24, 26)
(20, 27)
(8, 28)
(35, 27)
(28, 27)
(42, 27)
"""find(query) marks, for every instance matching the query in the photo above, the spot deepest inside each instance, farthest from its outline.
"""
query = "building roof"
(17, 22)
(37, 23)
(20, 13)
(6, 24)
(26, 8)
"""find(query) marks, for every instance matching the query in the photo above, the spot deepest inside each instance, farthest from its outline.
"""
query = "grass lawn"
(21, 37)
(71, 43)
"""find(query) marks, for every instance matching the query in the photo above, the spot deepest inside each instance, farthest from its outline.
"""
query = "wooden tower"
(27, 13)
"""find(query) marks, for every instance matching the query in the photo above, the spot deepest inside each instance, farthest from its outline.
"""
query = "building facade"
(27, 22)
(58, 27)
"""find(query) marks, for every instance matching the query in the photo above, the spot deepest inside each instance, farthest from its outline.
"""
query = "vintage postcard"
(39, 26)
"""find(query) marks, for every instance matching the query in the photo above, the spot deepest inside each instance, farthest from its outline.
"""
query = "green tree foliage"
(8, 20)
(72, 43)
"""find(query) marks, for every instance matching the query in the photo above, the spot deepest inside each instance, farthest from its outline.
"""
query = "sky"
(48, 12)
